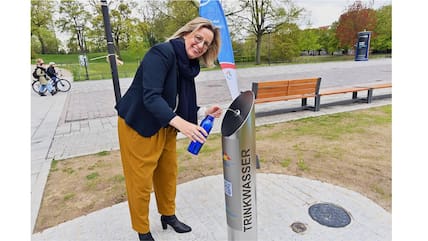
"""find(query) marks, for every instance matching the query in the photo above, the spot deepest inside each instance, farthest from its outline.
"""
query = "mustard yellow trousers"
(149, 163)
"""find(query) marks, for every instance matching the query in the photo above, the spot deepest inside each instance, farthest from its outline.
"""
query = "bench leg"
(304, 102)
(317, 103)
(355, 95)
(369, 95)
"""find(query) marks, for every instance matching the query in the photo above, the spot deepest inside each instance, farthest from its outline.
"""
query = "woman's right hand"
(192, 131)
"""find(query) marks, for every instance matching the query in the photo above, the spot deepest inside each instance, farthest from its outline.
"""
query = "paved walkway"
(281, 201)
(83, 121)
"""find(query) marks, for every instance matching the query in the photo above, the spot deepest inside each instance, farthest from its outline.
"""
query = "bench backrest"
(275, 90)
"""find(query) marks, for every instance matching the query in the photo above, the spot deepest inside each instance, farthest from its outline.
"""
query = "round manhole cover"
(330, 215)
(298, 227)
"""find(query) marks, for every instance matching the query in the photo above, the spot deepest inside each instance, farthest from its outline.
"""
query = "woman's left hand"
(214, 110)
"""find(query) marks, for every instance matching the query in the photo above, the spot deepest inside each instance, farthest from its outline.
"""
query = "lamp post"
(81, 41)
(269, 29)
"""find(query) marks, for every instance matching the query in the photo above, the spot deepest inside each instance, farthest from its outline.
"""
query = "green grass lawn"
(98, 67)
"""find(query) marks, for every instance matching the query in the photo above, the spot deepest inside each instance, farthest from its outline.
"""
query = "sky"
(325, 12)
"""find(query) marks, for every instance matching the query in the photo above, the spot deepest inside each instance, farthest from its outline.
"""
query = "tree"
(122, 23)
(95, 35)
(285, 41)
(383, 39)
(309, 40)
(150, 32)
(73, 16)
(261, 17)
(358, 17)
(176, 19)
(328, 39)
(171, 16)
(43, 38)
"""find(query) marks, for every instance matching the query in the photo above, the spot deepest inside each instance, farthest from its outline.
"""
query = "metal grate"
(330, 215)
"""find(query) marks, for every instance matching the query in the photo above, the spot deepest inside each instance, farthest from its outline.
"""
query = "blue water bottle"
(207, 124)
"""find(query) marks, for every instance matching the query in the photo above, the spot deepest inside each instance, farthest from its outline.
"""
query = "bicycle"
(60, 84)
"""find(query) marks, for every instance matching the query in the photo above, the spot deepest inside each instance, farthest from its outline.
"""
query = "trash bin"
(239, 168)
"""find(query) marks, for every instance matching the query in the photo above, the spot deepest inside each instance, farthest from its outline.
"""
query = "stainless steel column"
(239, 168)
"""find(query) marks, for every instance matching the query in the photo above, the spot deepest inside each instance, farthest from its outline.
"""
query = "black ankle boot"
(178, 226)
(145, 236)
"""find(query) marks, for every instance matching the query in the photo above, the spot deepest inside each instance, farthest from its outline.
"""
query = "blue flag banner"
(212, 10)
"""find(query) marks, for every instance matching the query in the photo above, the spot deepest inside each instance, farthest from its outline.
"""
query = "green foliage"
(92, 176)
(72, 14)
(176, 19)
(138, 45)
(123, 24)
(261, 12)
(244, 51)
(328, 40)
(135, 33)
(382, 38)
(285, 162)
(43, 39)
(54, 165)
(69, 196)
(156, 20)
(285, 43)
(302, 165)
(309, 39)
(103, 153)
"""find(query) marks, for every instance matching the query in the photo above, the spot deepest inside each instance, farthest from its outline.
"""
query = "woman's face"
(197, 43)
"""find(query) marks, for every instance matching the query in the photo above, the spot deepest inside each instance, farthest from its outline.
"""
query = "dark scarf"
(188, 69)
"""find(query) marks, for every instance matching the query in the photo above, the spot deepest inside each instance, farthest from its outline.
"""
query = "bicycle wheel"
(36, 86)
(63, 85)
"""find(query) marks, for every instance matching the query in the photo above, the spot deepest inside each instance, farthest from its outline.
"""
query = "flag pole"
(111, 51)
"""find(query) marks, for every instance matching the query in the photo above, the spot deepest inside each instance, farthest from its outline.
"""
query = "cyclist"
(43, 78)
(52, 73)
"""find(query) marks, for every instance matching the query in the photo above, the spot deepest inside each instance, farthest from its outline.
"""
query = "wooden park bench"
(282, 90)
(376, 86)
(355, 89)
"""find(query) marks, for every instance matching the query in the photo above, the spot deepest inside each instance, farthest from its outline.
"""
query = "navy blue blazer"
(150, 101)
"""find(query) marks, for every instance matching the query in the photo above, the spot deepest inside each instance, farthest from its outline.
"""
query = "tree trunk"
(42, 45)
(80, 43)
(116, 41)
(258, 48)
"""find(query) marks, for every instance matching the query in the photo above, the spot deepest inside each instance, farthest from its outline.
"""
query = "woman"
(43, 78)
(161, 101)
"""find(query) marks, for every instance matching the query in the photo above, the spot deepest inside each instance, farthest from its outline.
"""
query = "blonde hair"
(194, 25)
(39, 61)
